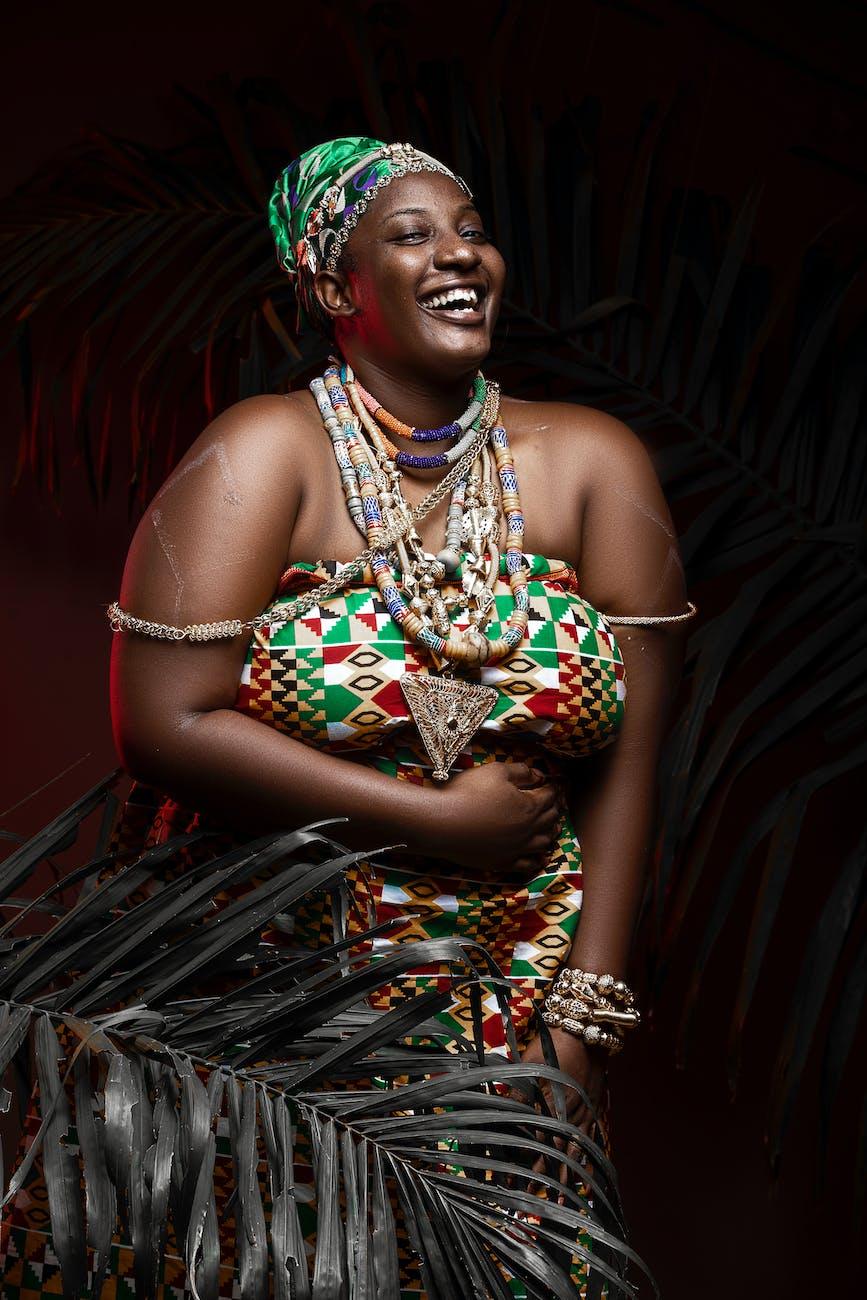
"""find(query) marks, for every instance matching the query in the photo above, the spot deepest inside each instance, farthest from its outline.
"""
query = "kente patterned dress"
(331, 680)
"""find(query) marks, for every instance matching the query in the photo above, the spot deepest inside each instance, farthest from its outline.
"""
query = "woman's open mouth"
(458, 306)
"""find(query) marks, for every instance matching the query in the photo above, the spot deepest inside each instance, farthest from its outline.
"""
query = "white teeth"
(468, 296)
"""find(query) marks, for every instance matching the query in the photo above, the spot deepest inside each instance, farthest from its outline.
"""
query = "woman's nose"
(452, 250)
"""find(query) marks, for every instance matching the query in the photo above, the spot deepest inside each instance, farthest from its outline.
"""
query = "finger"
(539, 840)
(538, 782)
(537, 834)
(567, 1176)
(544, 795)
(539, 821)
(563, 1179)
(522, 774)
(545, 807)
(539, 1169)
(547, 822)
(541, 1163)
(547, 815)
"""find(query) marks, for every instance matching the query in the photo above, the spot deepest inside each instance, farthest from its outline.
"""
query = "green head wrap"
(319, 198)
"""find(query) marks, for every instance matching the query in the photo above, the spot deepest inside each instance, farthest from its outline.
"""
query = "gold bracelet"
(595, 1008)
(121, 621)
(594, 1013)
(592, 1035)
(571, 980)
(652, 620)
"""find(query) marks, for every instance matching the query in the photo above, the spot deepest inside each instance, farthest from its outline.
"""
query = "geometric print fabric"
(331, 678)
(527, 926)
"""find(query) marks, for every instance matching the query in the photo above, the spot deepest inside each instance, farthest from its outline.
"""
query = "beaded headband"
(319, 198)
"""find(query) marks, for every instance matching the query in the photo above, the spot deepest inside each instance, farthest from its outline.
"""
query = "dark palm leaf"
(406, 1120)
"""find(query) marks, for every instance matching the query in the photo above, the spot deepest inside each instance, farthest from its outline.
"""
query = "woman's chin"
(460, 345)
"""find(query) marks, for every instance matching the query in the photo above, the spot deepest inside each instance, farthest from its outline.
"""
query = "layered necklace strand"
(447, 710)
(474, 510)
(395, 426)
(465, 426)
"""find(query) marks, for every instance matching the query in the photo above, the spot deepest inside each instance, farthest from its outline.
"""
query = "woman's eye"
(410, 234)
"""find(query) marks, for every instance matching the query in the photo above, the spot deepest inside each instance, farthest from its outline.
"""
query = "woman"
(518, 813)
(260, 491)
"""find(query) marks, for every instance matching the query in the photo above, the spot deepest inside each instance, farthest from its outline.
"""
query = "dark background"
(771, 96)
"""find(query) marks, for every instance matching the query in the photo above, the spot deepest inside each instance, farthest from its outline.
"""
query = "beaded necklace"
(390, 422)
(465, 425)
(386, 452)
(472, 519)
(446, 709)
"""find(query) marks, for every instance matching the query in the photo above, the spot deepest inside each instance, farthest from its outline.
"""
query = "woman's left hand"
(587, 1066)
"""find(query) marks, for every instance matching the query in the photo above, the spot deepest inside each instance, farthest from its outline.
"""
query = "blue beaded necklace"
(466, 424)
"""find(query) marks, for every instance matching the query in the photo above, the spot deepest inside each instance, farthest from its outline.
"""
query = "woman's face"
(422, 282)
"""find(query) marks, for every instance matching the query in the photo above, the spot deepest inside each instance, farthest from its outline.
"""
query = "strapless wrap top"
(331, 678)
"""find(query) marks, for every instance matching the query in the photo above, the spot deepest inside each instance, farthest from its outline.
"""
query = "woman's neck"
(422, 404)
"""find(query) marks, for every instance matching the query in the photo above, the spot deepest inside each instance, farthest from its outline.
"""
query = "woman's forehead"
(417, 193)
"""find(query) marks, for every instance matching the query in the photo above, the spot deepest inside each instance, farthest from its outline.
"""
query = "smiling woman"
(457, 688)
(394, 300)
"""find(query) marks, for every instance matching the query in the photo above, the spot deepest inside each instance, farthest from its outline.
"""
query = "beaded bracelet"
(596, 1008)
(596, 987)
(593, 1035)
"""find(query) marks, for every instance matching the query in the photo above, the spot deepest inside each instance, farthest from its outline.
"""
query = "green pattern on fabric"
(331, 677)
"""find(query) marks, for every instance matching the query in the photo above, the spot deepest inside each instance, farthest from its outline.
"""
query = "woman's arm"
(212, 546)
(629, 565)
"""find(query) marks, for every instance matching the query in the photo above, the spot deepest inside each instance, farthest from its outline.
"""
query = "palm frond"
(407, 1122)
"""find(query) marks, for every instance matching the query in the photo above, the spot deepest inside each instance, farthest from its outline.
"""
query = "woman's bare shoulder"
(593, 450)
(250, 457)
(219, 524)
(628, 547)
(583, 428)
(258, 432)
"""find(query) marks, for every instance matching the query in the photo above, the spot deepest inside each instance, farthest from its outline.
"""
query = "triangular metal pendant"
(447, 712)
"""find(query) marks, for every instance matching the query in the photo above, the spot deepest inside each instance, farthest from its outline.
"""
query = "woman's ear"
(334, 294)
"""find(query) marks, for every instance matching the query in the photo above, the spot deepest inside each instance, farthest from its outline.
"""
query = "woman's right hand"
(501, 816)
